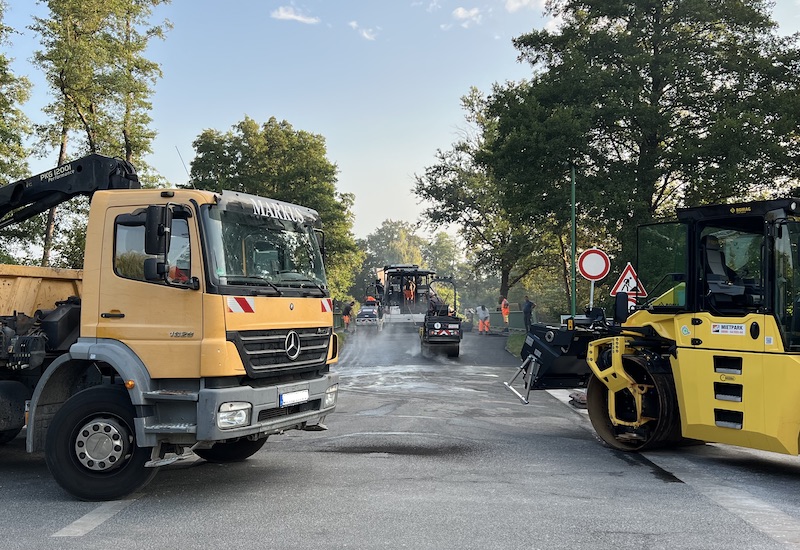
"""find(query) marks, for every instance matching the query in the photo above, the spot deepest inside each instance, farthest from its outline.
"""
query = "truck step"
(170, 395)
(171, 428)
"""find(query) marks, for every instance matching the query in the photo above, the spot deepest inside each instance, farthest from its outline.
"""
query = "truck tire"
(91, 446)
(8, 435)
(235, 451)
(453, 351)
(659, 403)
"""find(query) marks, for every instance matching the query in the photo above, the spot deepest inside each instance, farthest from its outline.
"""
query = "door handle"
(114, 315)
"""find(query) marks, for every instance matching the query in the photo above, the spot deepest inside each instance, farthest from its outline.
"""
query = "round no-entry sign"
(593, 264)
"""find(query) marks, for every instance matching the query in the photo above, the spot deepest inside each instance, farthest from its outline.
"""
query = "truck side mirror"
(157, 226)
(621, 307)
(155, 269)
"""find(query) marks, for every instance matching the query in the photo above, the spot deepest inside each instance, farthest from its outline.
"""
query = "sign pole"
(574, 275)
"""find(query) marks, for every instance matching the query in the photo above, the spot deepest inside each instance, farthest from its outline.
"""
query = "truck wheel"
(235, 451)
(8, 435)
(453, 351)
(91, 446)
(659, 403)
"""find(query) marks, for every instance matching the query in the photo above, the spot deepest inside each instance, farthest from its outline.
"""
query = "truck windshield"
(249, 248)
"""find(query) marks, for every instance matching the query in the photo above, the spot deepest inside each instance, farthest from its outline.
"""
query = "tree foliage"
(14, 128)
(14, 125)
(93, 59)
(274, 160)
(442, 254)
(462, 192)
(658, 103)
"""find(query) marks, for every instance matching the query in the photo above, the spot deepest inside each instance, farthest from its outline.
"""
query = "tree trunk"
(50, 228)
(505, 274)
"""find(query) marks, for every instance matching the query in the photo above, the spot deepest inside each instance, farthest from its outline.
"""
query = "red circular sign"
(593, 264)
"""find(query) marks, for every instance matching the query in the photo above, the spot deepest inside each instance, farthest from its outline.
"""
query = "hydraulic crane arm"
(26, 198)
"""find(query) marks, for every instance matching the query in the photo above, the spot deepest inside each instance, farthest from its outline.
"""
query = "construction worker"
(408, 293)
(505, 309)
(527, 313)
(347, 313)
(483, 320)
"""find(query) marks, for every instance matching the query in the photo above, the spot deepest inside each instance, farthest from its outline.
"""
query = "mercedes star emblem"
(292, 344)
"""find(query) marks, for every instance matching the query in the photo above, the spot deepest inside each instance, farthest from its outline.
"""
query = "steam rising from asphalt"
(383, 347)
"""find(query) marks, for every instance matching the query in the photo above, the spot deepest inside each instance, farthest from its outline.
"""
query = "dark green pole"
(574, 274)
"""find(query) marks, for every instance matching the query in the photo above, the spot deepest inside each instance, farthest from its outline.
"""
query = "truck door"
(160, 321)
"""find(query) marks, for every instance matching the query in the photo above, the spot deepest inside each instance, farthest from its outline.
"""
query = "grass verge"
(514, 343)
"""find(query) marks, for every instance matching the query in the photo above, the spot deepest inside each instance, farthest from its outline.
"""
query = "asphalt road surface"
(427, 453)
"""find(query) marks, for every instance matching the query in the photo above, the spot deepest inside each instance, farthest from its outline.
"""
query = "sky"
(379, 80)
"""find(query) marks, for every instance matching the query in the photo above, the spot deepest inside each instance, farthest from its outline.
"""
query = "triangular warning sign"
(629, 282)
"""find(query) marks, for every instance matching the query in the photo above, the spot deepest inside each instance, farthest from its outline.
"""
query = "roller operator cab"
(441, 331)
(714, 355)
(201, 321)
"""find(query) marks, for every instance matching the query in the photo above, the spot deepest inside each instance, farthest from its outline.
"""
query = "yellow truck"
(201, 323)
(713, 356)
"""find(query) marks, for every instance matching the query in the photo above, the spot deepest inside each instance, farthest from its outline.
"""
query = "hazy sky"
(380, 80)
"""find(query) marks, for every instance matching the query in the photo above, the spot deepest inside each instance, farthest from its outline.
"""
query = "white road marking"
(766, 518)
(95, 518)
(563, 396)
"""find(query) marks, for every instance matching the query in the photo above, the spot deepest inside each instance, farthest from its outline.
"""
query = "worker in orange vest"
(505, 309)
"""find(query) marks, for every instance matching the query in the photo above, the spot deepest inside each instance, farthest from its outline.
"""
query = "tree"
(14, 128)
(93, 60)
(658, 104)
(442, 254)
(14, 125)
(461, 192)
(129, 80)
(274, 160)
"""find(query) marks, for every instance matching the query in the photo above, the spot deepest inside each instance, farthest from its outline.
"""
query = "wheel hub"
(101, 445)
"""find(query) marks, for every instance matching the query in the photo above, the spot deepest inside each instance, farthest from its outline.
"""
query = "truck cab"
(200, 323)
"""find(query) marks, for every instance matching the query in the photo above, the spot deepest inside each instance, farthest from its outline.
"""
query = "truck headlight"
(330, 396)
(234, 414)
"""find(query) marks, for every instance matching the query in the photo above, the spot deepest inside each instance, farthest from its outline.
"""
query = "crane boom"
(28, 197)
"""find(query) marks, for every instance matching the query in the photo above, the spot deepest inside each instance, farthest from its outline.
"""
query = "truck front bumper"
(210, 415)
(310, 402)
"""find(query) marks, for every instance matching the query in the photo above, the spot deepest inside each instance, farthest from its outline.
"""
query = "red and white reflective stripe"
(327, 305)
(241, 304)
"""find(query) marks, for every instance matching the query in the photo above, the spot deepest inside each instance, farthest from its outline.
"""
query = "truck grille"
(271, 414)
(264, 352)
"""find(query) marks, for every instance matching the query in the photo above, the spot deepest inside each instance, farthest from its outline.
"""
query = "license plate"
(293, 398)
